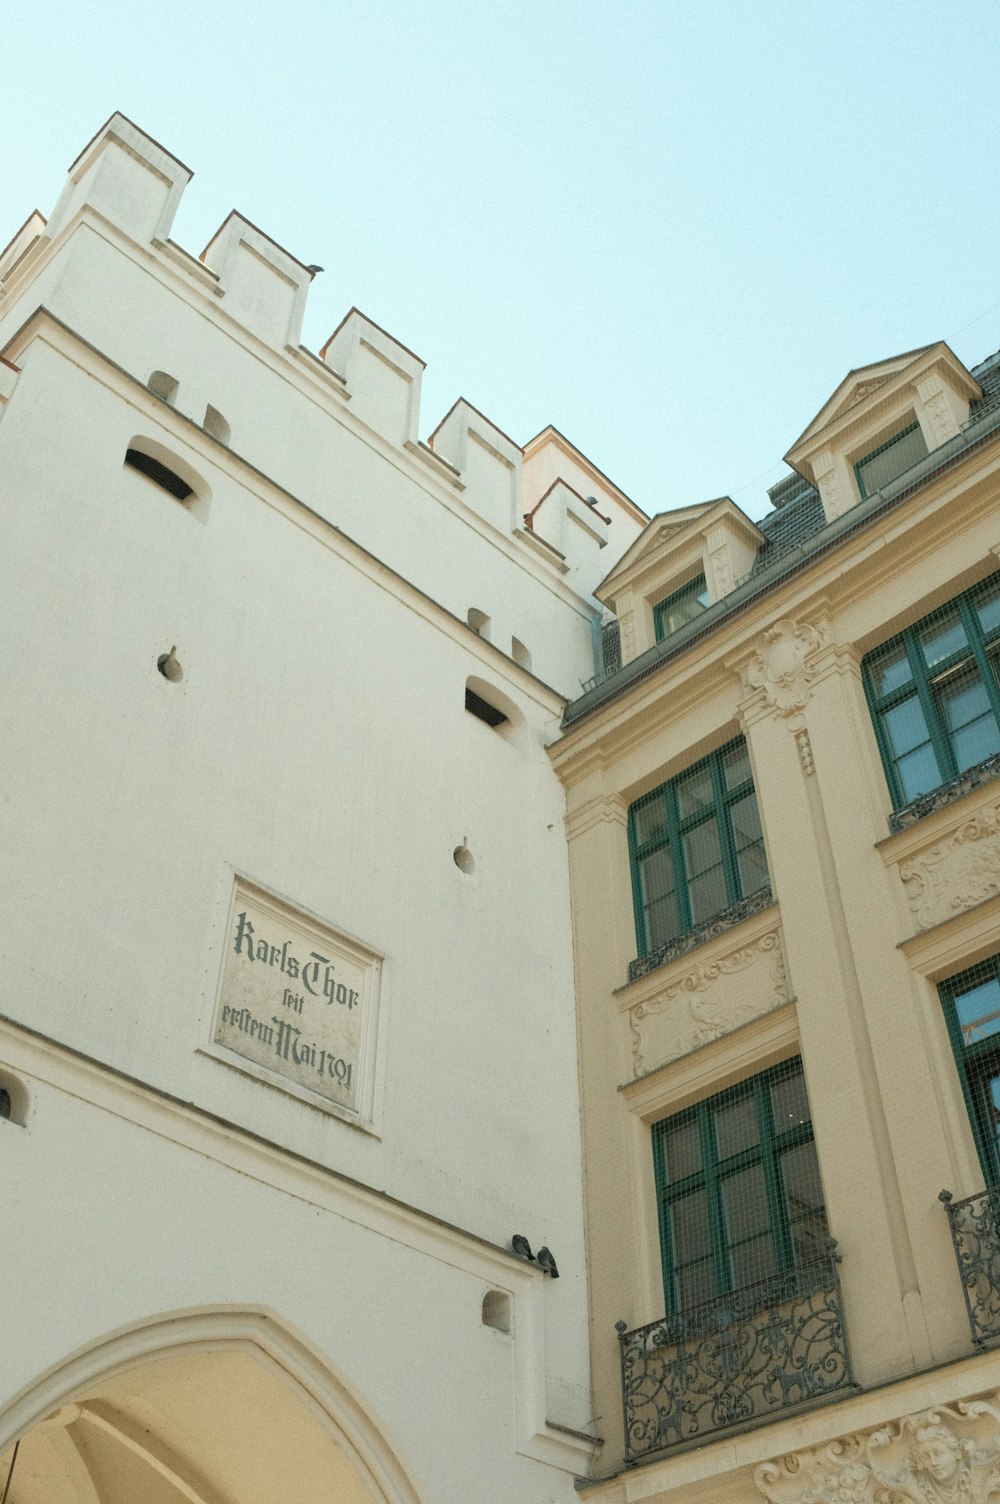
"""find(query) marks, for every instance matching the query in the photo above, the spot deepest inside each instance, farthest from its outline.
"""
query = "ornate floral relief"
(700, 1022)
(829, 489)
(722, 569)
(782, 665)
(626, 624)
(948, 1455)
(960, 871)
(942, 421)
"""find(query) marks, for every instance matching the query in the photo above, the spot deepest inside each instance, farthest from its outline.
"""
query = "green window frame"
(934, 693)
(680, 607)
(738, 1189)
(696, 846)
(971, 1002)
(891, 459)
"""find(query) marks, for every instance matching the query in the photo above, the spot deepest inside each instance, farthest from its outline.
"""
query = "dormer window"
(680, 607)
(890, 459)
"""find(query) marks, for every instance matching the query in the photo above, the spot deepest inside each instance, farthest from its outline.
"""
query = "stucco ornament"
(941, 420)
(949, 1455)
(781, 665)
(626, 626)
(956, 873)
(701, 1021)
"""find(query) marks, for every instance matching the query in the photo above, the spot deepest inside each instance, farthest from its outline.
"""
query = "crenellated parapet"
(264, 287)
(489, 462)
(381, 376)
(561, 518)
(127, 177)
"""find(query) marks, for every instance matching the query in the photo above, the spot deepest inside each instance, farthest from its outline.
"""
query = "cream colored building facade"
(835, 668)
(287, 1046)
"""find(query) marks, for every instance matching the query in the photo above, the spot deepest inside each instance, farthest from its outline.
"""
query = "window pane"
(750, 859)
(891, 459)
(987, 607)
(966, 710)
(789, 1106)
(659, 900)
(978, 1010)
(905, 726)
(891, 671)
(735, 1126)
(695, 1284)
(690, 1234)
(681, 607)
(915, 759)
(695, 793)
(736, 765)
(918, 772)
(650, 821)
(744, 1204)
(943, 637)
(809, 1240)
(800, 1182)
(990, 1098)
(682, 1150)
(707, 892)
(752, 1261)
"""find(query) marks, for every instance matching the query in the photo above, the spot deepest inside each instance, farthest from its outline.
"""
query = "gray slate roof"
(792, 535)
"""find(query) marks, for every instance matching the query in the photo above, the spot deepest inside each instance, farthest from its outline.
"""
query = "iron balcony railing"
(975, 1232)
(741, 1356)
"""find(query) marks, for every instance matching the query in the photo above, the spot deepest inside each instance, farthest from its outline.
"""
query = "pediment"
(660, 530)
(856, 386)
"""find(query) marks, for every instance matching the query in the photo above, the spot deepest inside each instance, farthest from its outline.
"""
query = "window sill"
(946, 793)
(700, 934)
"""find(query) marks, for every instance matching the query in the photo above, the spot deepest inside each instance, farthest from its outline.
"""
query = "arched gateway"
(204, 1408)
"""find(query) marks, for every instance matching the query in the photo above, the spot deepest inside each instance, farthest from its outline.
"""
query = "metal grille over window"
(934, 694)
(972, 1010)
(754, 1319)
(680, 607)
(156, 471)
(696, 847)
(477, 706)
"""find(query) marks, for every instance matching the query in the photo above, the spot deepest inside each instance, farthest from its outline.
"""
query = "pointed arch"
(60, 1396)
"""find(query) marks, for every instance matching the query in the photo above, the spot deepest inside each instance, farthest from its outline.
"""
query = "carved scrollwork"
(958, 872)
(782, 665)
(701, 1022)
(948, 1455)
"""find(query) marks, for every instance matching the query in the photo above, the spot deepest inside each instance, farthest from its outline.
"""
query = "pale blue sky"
(669, 229)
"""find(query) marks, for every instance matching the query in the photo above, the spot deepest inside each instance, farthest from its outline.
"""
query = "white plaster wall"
(116, 1223)
(299, 429)
(317, 743)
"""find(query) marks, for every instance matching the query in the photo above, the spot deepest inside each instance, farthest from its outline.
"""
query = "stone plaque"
(298, 1000)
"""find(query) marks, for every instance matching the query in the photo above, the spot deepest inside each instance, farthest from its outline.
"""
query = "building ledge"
(946, 793)
(700, 934)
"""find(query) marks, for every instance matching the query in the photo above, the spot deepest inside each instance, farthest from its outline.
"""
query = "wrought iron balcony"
(777, 1343)
(975, 1232)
